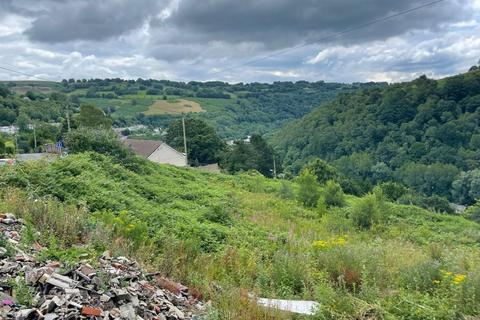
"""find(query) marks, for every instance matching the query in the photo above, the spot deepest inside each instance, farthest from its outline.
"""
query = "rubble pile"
(116, 288)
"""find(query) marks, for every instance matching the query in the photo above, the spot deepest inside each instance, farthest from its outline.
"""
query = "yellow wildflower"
(320, 244)
(332, 242)
(447, 274)
(459, 278)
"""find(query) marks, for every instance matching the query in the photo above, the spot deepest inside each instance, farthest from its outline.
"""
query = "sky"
(237, 41)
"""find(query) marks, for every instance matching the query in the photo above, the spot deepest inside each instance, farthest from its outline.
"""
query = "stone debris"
(113, 288)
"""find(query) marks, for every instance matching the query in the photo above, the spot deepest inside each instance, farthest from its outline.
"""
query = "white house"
(157, 151)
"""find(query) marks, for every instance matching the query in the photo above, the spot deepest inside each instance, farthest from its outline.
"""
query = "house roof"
(143, 147)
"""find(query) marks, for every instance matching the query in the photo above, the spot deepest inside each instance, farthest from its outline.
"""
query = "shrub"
(392, 190)
(219, 214)
(473, 212)
(366, 212)
(308, 193)
(333, 194)
(285, 191)
(432, 203)
(105, 142)
(322, 170)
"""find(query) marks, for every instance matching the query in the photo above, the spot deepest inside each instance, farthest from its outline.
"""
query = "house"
(156, 151)
(8, 129)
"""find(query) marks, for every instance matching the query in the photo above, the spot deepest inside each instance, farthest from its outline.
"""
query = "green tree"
(466, 188)
(4, 92)
(240, 158)
(308, 193)
(93, 117)
(256, 155)
(101, 141)
(431, 179)
(203, 144)
(322, 170)
(263, 155)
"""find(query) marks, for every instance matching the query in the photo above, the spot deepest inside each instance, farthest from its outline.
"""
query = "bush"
(153, 92)
(308, 193)
(102, 141)
(432, 203)
(366, 212)
(322, 170)
(392, 190)
(333, 195)
(473, 212)
(219, 214)
(285, 191)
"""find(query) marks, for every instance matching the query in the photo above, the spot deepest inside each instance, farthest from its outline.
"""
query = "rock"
(116, 288)
(51, 316)
(3, 252)
(127, 311)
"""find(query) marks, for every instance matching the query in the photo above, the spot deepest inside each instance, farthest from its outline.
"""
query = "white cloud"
(12, 24)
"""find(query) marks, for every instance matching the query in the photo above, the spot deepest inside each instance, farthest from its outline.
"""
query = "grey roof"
(143, 147)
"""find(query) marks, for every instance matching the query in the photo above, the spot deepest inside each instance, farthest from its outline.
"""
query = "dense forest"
(424, 134)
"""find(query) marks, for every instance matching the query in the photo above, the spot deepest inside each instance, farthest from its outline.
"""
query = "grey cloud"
(281, 23)
(62, 21)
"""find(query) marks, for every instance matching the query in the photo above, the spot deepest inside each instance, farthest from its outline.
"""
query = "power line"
(25, 74)
(331, 36)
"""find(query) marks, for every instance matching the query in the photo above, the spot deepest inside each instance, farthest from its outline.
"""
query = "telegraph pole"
(68, 118)
(35, 137)
(184, 139)
(274, 168)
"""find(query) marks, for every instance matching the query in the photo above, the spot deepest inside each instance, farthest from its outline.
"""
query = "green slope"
(424, 122)
(215, 231)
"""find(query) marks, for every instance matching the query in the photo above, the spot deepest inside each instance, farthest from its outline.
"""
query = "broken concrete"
(115, 289)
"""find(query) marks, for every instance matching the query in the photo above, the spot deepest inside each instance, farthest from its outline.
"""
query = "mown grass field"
(227, 236)
(177, 106)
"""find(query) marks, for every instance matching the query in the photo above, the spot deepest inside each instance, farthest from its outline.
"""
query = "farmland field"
(174, 107)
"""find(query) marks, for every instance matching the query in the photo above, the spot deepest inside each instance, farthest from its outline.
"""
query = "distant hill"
(235, 110)
(421, 133)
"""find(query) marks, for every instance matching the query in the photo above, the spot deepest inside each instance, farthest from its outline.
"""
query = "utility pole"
(274, 168)
(35, 137)
(16, 143)
(184, 139)
(68, 116)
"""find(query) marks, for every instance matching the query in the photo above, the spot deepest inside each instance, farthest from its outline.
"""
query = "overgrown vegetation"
(226, 236)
